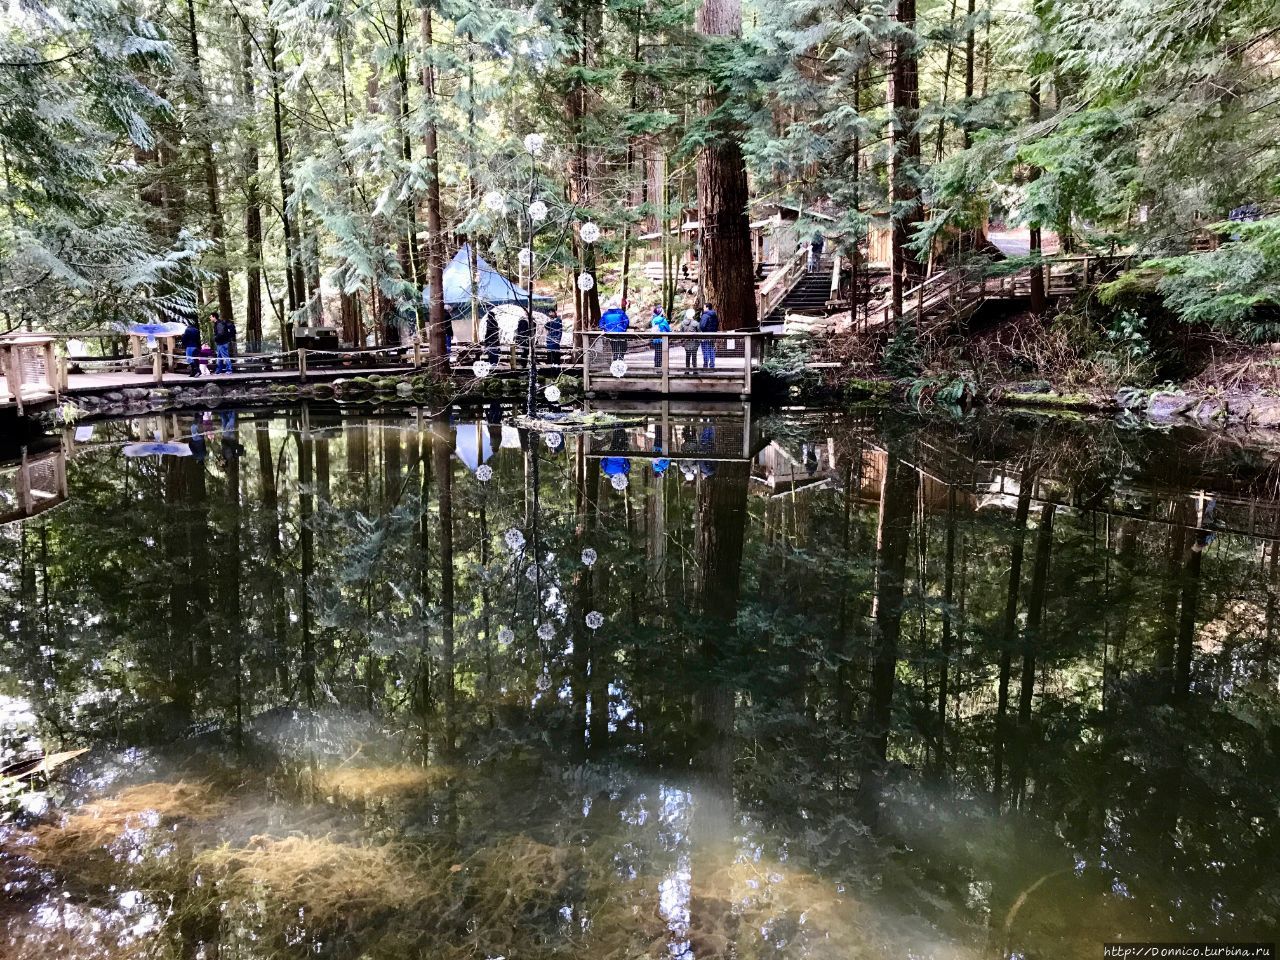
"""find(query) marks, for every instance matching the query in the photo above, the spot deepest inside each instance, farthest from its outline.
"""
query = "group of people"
(554, 329)
(614, 320)
(224, 338)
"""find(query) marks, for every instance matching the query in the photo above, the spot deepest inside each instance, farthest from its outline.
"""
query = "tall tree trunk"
(904, 155)
(217, 229)
(435, 240)
(1037, 270)
(946, 82)
(252, 206)
(726, 271)
(292, 264)
(970, 52)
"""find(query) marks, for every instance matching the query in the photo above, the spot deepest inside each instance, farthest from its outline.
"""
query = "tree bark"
(435, 241)
(728, 278)
(217, 228)
(904, 155)
(253, 207)
(292, 269)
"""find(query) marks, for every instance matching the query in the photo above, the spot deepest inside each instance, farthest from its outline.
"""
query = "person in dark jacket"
(709, 323)
(191, 344)
(555, 333)
(615, 320)
(490, 339)
(224, 337)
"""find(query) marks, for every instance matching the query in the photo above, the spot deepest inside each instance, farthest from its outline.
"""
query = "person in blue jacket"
(659, 324)
(709, 323)
(615, 320)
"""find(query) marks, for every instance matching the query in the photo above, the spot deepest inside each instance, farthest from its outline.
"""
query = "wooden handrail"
(774, 290)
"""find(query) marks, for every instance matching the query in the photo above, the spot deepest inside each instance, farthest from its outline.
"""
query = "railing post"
(666, 365)
(302, 364)
(157, 368)
(584, 339)
(747, 340)
(417, 352)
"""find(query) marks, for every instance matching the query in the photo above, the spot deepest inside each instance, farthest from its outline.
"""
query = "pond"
(707, 684)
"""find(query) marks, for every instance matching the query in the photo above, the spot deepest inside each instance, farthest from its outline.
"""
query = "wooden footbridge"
(38, 373)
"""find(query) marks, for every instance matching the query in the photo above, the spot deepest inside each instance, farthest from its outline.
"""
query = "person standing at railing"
(224, 337)
(555, 333)
(659, 324)
(689, 324)
(191, 344)
(709, 323)
(615, 320)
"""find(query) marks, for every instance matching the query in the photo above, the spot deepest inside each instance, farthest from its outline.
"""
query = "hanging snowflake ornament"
(618, 368)
(531, 574)
(514, 538)
(619, 481)
(533, 144)
(547, 631)
(589, 557)
(494, 201)
(537, 211)
(481, 369)
(554, 440)
(543, 683)
(525, 256)
(586, 281)
(589, 232)
(595, 619)
(484, 473)
(506, 635)
(552, 393)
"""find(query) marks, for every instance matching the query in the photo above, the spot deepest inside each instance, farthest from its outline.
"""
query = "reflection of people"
(231, 446)
(199, 449)
(555, 333)
(615, 320)
(710, 323)
(191, 344)
(612, 466)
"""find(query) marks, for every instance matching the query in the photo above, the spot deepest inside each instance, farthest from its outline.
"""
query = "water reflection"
(697, 686)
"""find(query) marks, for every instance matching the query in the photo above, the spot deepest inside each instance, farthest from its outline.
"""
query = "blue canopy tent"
(492, 288)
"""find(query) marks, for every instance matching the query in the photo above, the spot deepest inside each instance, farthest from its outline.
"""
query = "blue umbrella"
(157, 450)
(169, 329)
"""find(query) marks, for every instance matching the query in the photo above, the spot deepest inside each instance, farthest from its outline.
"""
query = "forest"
(303, 162)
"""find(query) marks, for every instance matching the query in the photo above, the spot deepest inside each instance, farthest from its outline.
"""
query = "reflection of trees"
(363, 572)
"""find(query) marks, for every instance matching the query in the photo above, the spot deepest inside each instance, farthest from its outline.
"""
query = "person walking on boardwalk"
(615, 320)
(224, 337)
(555, 333)
(689, 324)
(191, 344)
(816, 246)
(659, 324)
(710, 323)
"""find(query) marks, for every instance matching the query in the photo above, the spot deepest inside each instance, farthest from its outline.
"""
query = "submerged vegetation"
(868, 684)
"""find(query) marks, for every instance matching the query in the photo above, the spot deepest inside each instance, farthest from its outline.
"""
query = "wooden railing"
(780, 283)
(960, 288)
(653, 362)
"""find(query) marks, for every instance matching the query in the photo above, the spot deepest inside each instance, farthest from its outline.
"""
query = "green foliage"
(1235, 288)
(74, 249)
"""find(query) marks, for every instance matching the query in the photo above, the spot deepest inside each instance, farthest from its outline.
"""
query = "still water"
(808, 686)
